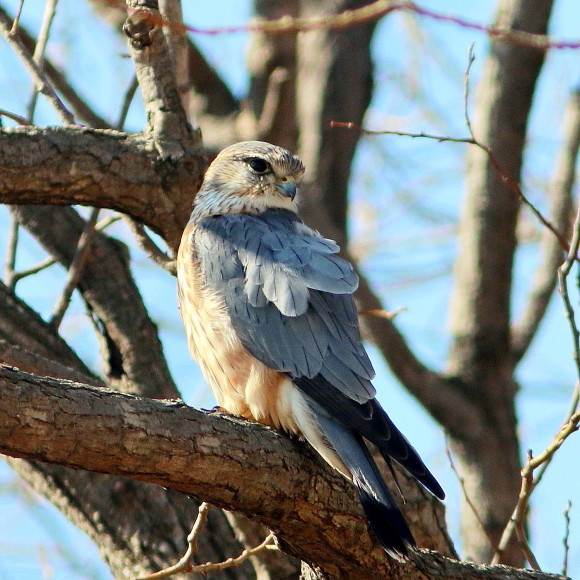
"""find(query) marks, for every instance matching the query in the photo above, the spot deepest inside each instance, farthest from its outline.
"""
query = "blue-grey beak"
(287, 188)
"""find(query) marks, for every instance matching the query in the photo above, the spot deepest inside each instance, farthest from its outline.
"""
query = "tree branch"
(75, 165)
(159, 518)
(108, 288)
(81, 108)
(35, 71)
(560, 196)
(280, 483)
(480, 355)
(173, 136)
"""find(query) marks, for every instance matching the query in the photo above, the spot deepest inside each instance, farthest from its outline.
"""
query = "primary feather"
(268, 307)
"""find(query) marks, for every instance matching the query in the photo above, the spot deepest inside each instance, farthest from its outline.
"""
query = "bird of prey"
(269, 314)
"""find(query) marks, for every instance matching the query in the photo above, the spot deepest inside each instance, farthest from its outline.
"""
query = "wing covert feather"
(288, 295)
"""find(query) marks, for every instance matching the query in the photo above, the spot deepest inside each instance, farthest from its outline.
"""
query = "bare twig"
(40, 48)
(371, 12)
(149, 246)
(11, 247)
(232, 562)
(42, 84)
(520, 513)
(75, 269)
(184, 565)
(17, 118)
(16, 20)
(566, 538)
(560, 196)
(42, 265)
(378, 9)
(60, 83)
(382, 313)
(129, 95)
(563, 272)
(465, 494)
(440, 138)
(528, 485)
(472, 140)
(572, 419)
(108, 221)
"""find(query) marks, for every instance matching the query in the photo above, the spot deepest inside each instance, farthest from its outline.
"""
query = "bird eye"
(259, 165)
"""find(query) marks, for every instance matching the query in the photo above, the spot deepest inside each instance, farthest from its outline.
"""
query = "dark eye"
(259, 165)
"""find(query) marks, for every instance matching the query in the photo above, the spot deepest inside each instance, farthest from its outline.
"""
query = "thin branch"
(61, 84)
(107, 222)
(75, 270)
(520, 515)
(382, 313)
(39, 267)
(17, 118)
(377, 10)
(128, 99)
(472, 140)
(528, 485)
(563, 272)
(440, 138)
(40, 49)
(184, 565)
(566, 538)
(36, 73)
(149, 246)
(369, 13)
(271, 102)
(560, 195)
(465, 494)
(16, 21)
(232, 562)
(11, 247)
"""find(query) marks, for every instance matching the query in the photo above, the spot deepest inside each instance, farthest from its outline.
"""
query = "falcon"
(269, 313)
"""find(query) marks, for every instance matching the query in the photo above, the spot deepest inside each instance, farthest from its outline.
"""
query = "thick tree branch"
(74, 165)
(280, 483)
(112, 511)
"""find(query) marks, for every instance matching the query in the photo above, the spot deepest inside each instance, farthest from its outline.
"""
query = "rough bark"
(75, 165)
(228, 462)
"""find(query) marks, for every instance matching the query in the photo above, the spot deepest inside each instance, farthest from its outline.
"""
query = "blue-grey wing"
(289, 297)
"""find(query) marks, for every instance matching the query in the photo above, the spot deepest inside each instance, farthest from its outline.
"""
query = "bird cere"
(269, 313)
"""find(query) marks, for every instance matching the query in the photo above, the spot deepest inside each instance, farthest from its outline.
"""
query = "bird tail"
(379, 506)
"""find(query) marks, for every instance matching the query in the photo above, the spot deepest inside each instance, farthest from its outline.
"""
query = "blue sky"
(405, 193)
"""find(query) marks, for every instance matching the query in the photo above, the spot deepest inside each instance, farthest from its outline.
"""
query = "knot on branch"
(139, 27)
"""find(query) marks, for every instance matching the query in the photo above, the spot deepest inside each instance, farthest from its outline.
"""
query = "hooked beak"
(287, 188)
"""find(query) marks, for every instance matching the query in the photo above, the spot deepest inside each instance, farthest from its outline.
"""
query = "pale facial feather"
(232, 186)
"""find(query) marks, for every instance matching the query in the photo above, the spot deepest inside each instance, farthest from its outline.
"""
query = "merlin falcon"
(269, 313)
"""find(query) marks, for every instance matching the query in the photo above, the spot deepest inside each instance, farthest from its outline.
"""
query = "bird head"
(249, 177)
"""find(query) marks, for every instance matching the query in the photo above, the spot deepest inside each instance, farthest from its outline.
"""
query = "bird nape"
(269, 314)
